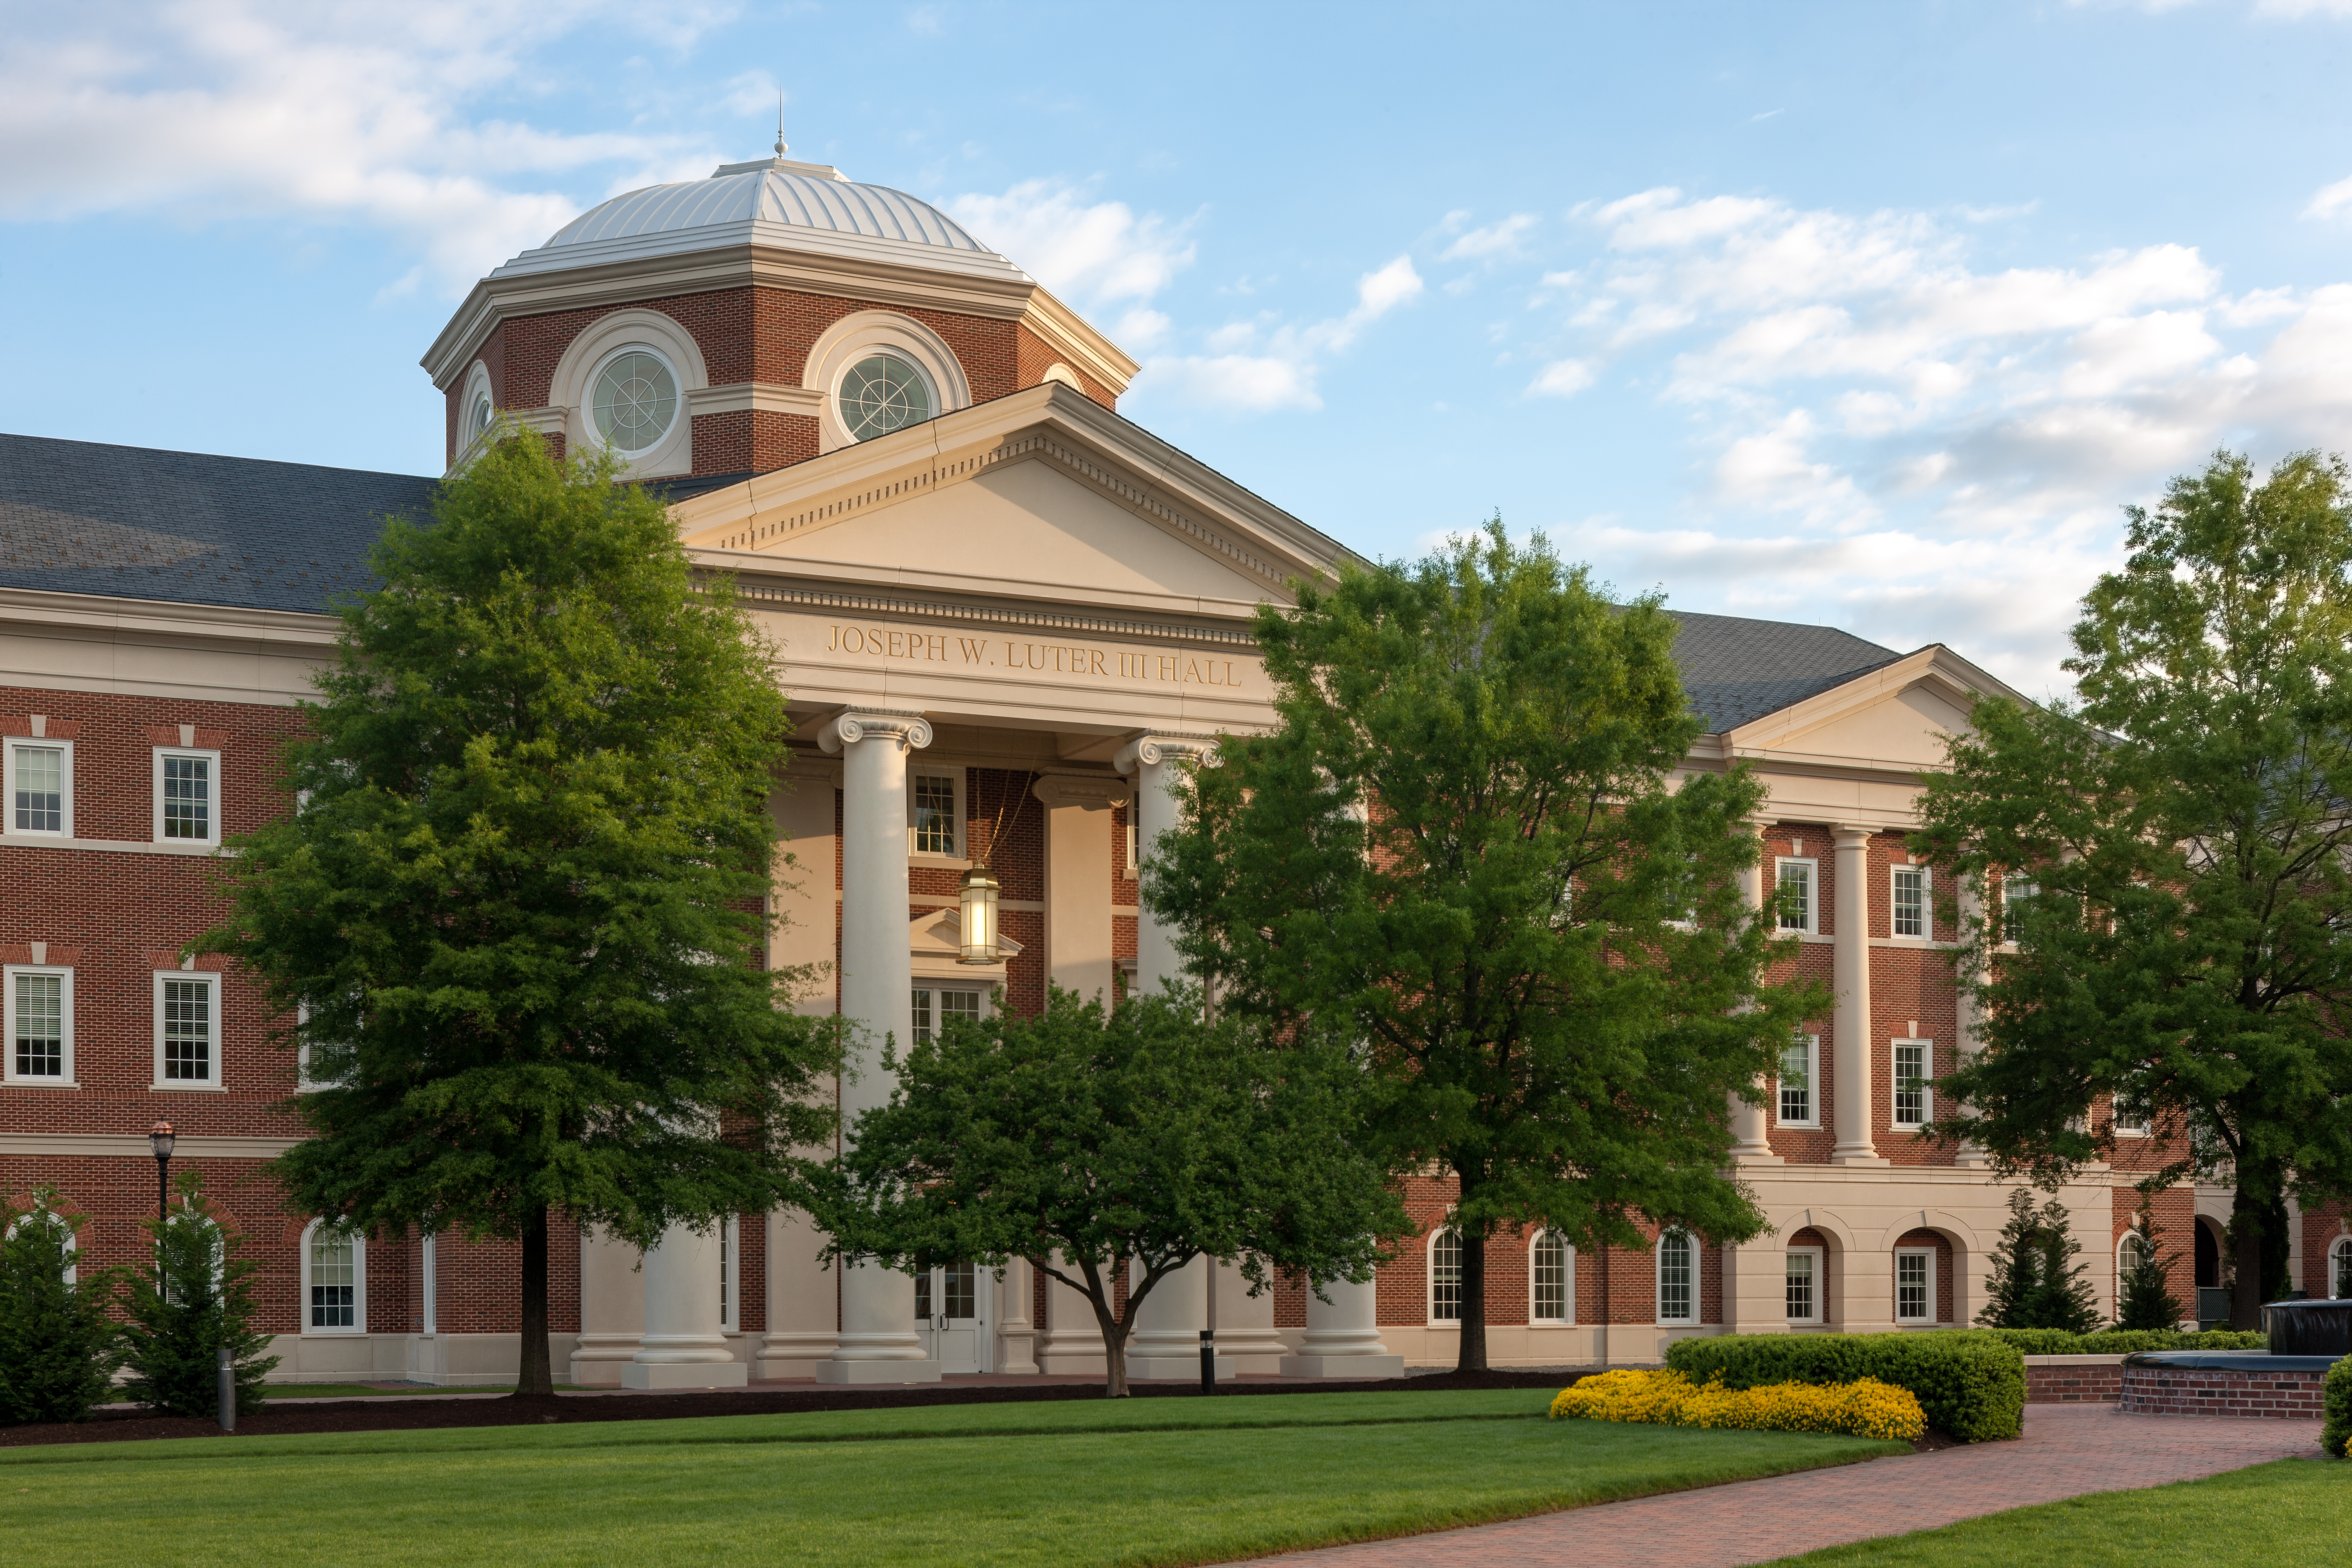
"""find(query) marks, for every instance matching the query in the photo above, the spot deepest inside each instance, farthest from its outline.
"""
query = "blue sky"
(1873, 315)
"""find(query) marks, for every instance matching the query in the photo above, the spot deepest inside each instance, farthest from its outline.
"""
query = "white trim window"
(1445, 1275)
(40, 1005)
(2016, 892)
(1804, 1272)
(2340, 1267)
(934, 1007)
(1799, 880)
(730, 1274)
(334, 1279)
(1551, 1280)
(1913, 1103)
(1798, 1103)
(2127, 1259)
(1677, 1278)
(935, 814)
(187, 1029)
(1909, 916)
(2128, 1116)
(187, 796)
(1915, 1285)
(38, 788)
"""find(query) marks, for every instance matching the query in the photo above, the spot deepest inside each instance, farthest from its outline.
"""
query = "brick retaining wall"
(2074, 1378)
(2196, 1391)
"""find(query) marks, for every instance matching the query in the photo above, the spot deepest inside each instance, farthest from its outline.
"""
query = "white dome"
(776, 202)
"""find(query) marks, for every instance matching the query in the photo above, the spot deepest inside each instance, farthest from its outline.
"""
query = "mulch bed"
(414, 1412)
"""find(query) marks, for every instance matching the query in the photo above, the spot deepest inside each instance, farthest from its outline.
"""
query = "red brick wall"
(2058, 1381)
(2175, 1210)
(2323, 1227)
(2181, 1391)
(1032, 358)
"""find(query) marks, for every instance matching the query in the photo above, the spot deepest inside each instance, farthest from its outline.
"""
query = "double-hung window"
(38, 788)
(2016, 893)
(1911, 1101)
(1915, 1284)
(935, 818)
(1799, 1059)
(334, 1282)
(730, 1274)
(1804, 1284)
(1553, 1298)
(187, 1029)
(1445, 1275)
(1911, 919)
(2339, 1266)
(1799, 880)
(38, 1004)
(2131, 1117)
(187, 796)
(1677, 1278)
(933, 1008)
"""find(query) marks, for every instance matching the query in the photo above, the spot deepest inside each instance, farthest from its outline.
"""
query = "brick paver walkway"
(2067, 1450)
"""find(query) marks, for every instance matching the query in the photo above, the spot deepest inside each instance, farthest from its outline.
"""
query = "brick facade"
(2198, 1390)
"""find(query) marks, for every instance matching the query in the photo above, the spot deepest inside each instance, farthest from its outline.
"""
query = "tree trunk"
(1474, 1303)
(534, 1376)
(2246, 1253)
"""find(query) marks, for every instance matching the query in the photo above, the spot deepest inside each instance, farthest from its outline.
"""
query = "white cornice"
(129, 1145)
(765, 397)
(293, 629)
(1070, 334)
(1934, 665)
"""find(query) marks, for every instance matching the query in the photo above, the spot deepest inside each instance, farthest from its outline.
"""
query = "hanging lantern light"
(977, 895)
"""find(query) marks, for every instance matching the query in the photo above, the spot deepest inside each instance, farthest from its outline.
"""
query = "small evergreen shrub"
(59, 1344)
(1971, 1386)
(2122, 1342)
(2337, 1434)
(197, 1298)
(2148, 1303)
(2034, 1281)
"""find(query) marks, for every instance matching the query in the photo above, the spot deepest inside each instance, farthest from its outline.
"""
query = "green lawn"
(1143, 1481)
(2293, 1510)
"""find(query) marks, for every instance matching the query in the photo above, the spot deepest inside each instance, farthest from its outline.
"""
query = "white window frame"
(1927, 932)
(8, 974)
(8, 828)
(961, 858)
(212, 818)
(1134, 872)
(1820, 1273)
(730, 1275)
(428, 1275)
(2339, 1263)
(1811, 925)
(2124, 1243)
(2123, 1129)
(205, 977)
(1927, 1083)
(1658, 1280)
(1812, 1044)
(2033, 890)
(359, 1287)
(1568, 1284)
(1429, 1274)
(1930, 1254)
(924, 1021)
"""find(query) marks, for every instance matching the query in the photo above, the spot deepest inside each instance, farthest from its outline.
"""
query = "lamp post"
(160, 1139)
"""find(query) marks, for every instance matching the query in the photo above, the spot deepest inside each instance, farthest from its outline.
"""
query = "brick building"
(1007, 615)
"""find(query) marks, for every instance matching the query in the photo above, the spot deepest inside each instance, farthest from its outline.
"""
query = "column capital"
(852, 725)
(1149, 749)
(1853, 835)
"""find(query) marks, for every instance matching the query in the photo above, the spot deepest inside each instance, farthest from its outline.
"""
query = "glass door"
(947, 1315)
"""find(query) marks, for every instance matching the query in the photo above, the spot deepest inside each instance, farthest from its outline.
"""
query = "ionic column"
(1965, 1044)
(1165, 1341)
(1343, 1336)
(1850, 1085)
(612, 1310)
(877, 1341)
(1154, 759)
(1016, 1335)
(1244, 1322)
(1749, 1146)
(682, 1347)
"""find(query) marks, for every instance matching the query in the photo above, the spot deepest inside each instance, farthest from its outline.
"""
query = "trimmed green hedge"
(2122, 1342)
(2337, 1434)
(1970, 1384)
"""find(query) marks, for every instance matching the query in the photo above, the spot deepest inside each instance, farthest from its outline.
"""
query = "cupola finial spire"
(780, 122)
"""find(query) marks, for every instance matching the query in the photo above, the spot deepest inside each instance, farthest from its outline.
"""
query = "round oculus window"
(481, 419)
(635, 400)
(883, 392)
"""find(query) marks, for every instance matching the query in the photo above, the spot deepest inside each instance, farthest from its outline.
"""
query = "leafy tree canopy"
(1470, 845)
(518, 908)
(2188, 949)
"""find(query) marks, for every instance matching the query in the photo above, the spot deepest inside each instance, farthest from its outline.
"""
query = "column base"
(1343, 1366)
(1755, 1157)
(1858, 1157)
(652, 1375)
(1175, 1368)
(867, 1372)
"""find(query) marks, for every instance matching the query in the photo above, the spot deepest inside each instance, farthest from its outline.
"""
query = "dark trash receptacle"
(2309, 1328)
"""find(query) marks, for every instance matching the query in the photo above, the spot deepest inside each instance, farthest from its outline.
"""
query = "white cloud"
(1495, 239)
(1252, 383)
(2331, 201)
(1562, 378)
(340, 112)
(1095, 255)
(1284, 374)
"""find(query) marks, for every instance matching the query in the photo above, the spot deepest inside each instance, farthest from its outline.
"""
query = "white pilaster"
(1749, 1146)
(1154, 761)
(877, 1343)
(1850, 1081)
(1079, 948)
(1016, 1332)
(1343, 1336)
(682, 1347)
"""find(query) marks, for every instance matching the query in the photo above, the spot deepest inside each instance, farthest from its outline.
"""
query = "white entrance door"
(948, 1312)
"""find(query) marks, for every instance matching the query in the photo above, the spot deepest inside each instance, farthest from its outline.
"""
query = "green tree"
(2148, 1300)
(1470, 843)
(2061, 1296)
(197, 1300)
(2188, 949)
(59, 1345)
(2013, 1276)
(519, 909)
(1126, 1143)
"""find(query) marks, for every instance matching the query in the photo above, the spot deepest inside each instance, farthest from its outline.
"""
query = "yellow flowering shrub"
(1864, 1408)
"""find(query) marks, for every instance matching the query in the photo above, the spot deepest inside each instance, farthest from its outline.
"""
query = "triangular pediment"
(1901, 716)
(939, 934)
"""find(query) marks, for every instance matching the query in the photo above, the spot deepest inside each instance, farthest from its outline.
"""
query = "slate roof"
(77, 517)
(1736, 669)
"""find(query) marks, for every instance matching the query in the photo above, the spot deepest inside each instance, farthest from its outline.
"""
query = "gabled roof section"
(77, 517)
(1737, 670)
